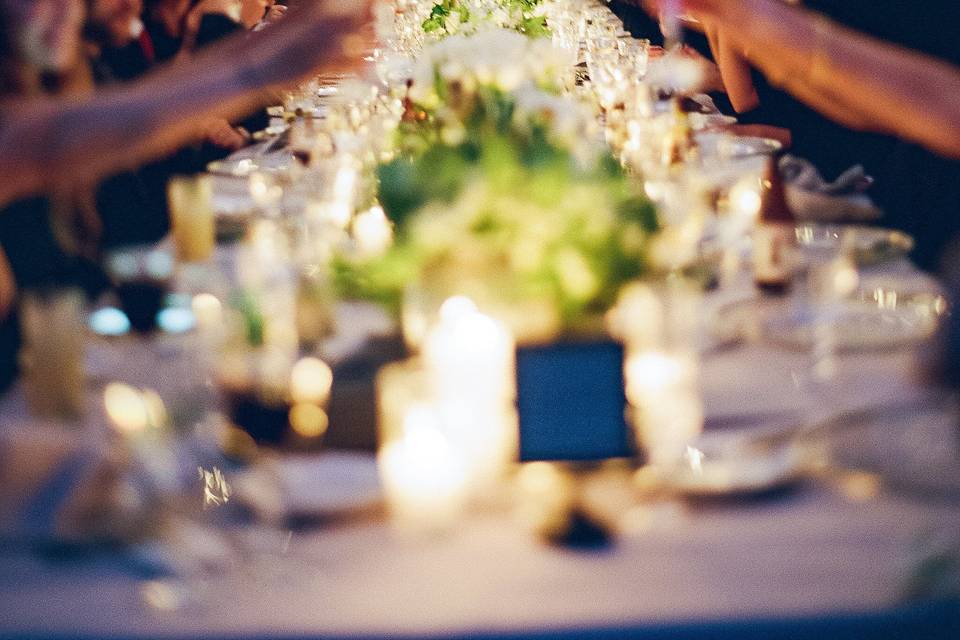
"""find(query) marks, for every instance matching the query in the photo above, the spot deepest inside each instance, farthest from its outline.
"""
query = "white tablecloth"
(817, 551)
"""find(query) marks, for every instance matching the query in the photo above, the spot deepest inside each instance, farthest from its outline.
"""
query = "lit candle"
(310, 381)
(424, 481)
(469, 364)
(126, 407)
(207, 311)
(663, 390)
(191, 215)
(372, 231)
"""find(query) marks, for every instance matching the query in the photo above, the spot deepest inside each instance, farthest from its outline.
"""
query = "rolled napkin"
(813, 199)
(58, 487)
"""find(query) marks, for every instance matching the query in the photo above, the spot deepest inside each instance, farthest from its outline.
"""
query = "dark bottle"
(774, 238)
(142, 300)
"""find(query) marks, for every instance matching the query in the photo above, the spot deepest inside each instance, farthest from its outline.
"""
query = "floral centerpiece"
(502, 190)
(449, 17)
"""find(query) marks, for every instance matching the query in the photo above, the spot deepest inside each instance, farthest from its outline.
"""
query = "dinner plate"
(704, 120)
(241, 166)
(310, 486)
(871, 245)
(860, 324)
(732, 467)
(272, 131)
(721, 145)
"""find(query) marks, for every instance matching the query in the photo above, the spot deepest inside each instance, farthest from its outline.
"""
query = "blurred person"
(114, 23)
(859, 81)
(46, 241)
(254, 13)
(49, 142)
(874, 86)
(54, 143)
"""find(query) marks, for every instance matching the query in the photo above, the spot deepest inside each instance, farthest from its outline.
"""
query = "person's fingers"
(227, 139)
(325, 41)
(710, 30)
(8, 286)
(735, 73)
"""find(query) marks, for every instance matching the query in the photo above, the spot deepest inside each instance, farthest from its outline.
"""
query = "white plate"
(722, 145)
(872, 245)
(235, 166)
(858, 325)
(703, 120)
(324, 484)
(729, 466)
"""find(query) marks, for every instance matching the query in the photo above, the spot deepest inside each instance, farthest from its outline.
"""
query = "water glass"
(52, 354)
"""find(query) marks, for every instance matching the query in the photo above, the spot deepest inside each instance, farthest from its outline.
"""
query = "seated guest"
(46, 241)
(55, 142)
(131, 205)
(857, 80)
(874, 91)
(177, 28)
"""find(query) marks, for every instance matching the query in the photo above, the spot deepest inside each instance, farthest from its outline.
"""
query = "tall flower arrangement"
(501, 188)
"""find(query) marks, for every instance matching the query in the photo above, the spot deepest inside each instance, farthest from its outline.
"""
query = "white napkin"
(814, 199)
(58, 487)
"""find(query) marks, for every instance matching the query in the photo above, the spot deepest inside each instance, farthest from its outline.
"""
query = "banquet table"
(823, 558)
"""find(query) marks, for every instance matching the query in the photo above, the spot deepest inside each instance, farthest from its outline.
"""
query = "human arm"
(54, 142)
(857, 80)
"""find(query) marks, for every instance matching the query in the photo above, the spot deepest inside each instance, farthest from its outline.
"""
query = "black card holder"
(572, 403)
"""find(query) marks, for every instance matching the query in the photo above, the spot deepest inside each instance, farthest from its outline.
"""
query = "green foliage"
(253, 321)
(506, 206)
(441, 12)
(520, 15)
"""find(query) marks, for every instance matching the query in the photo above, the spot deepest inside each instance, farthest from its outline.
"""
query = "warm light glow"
(424, 481)
(695, 458)
(156, 411)
(455, 308)
(745, 199)
(264, 190)
(663, 390)
(372, 231)
(649, 374)
(845, 279)
(339, 214)
(310, 381)
(308, 420)
(540, 478)
(464, 332)
(216, 489)
(207, 310)
(860, 486)
(468, 357)
(126, 407)
(344, 184)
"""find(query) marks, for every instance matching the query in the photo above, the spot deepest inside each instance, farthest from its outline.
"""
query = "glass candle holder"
(142, 276)
(52, 353)
(660, 329)
(424, 478)
(191, 215)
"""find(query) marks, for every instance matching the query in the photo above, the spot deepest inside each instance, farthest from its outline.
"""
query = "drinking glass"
(191, 214)
(52, 353)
